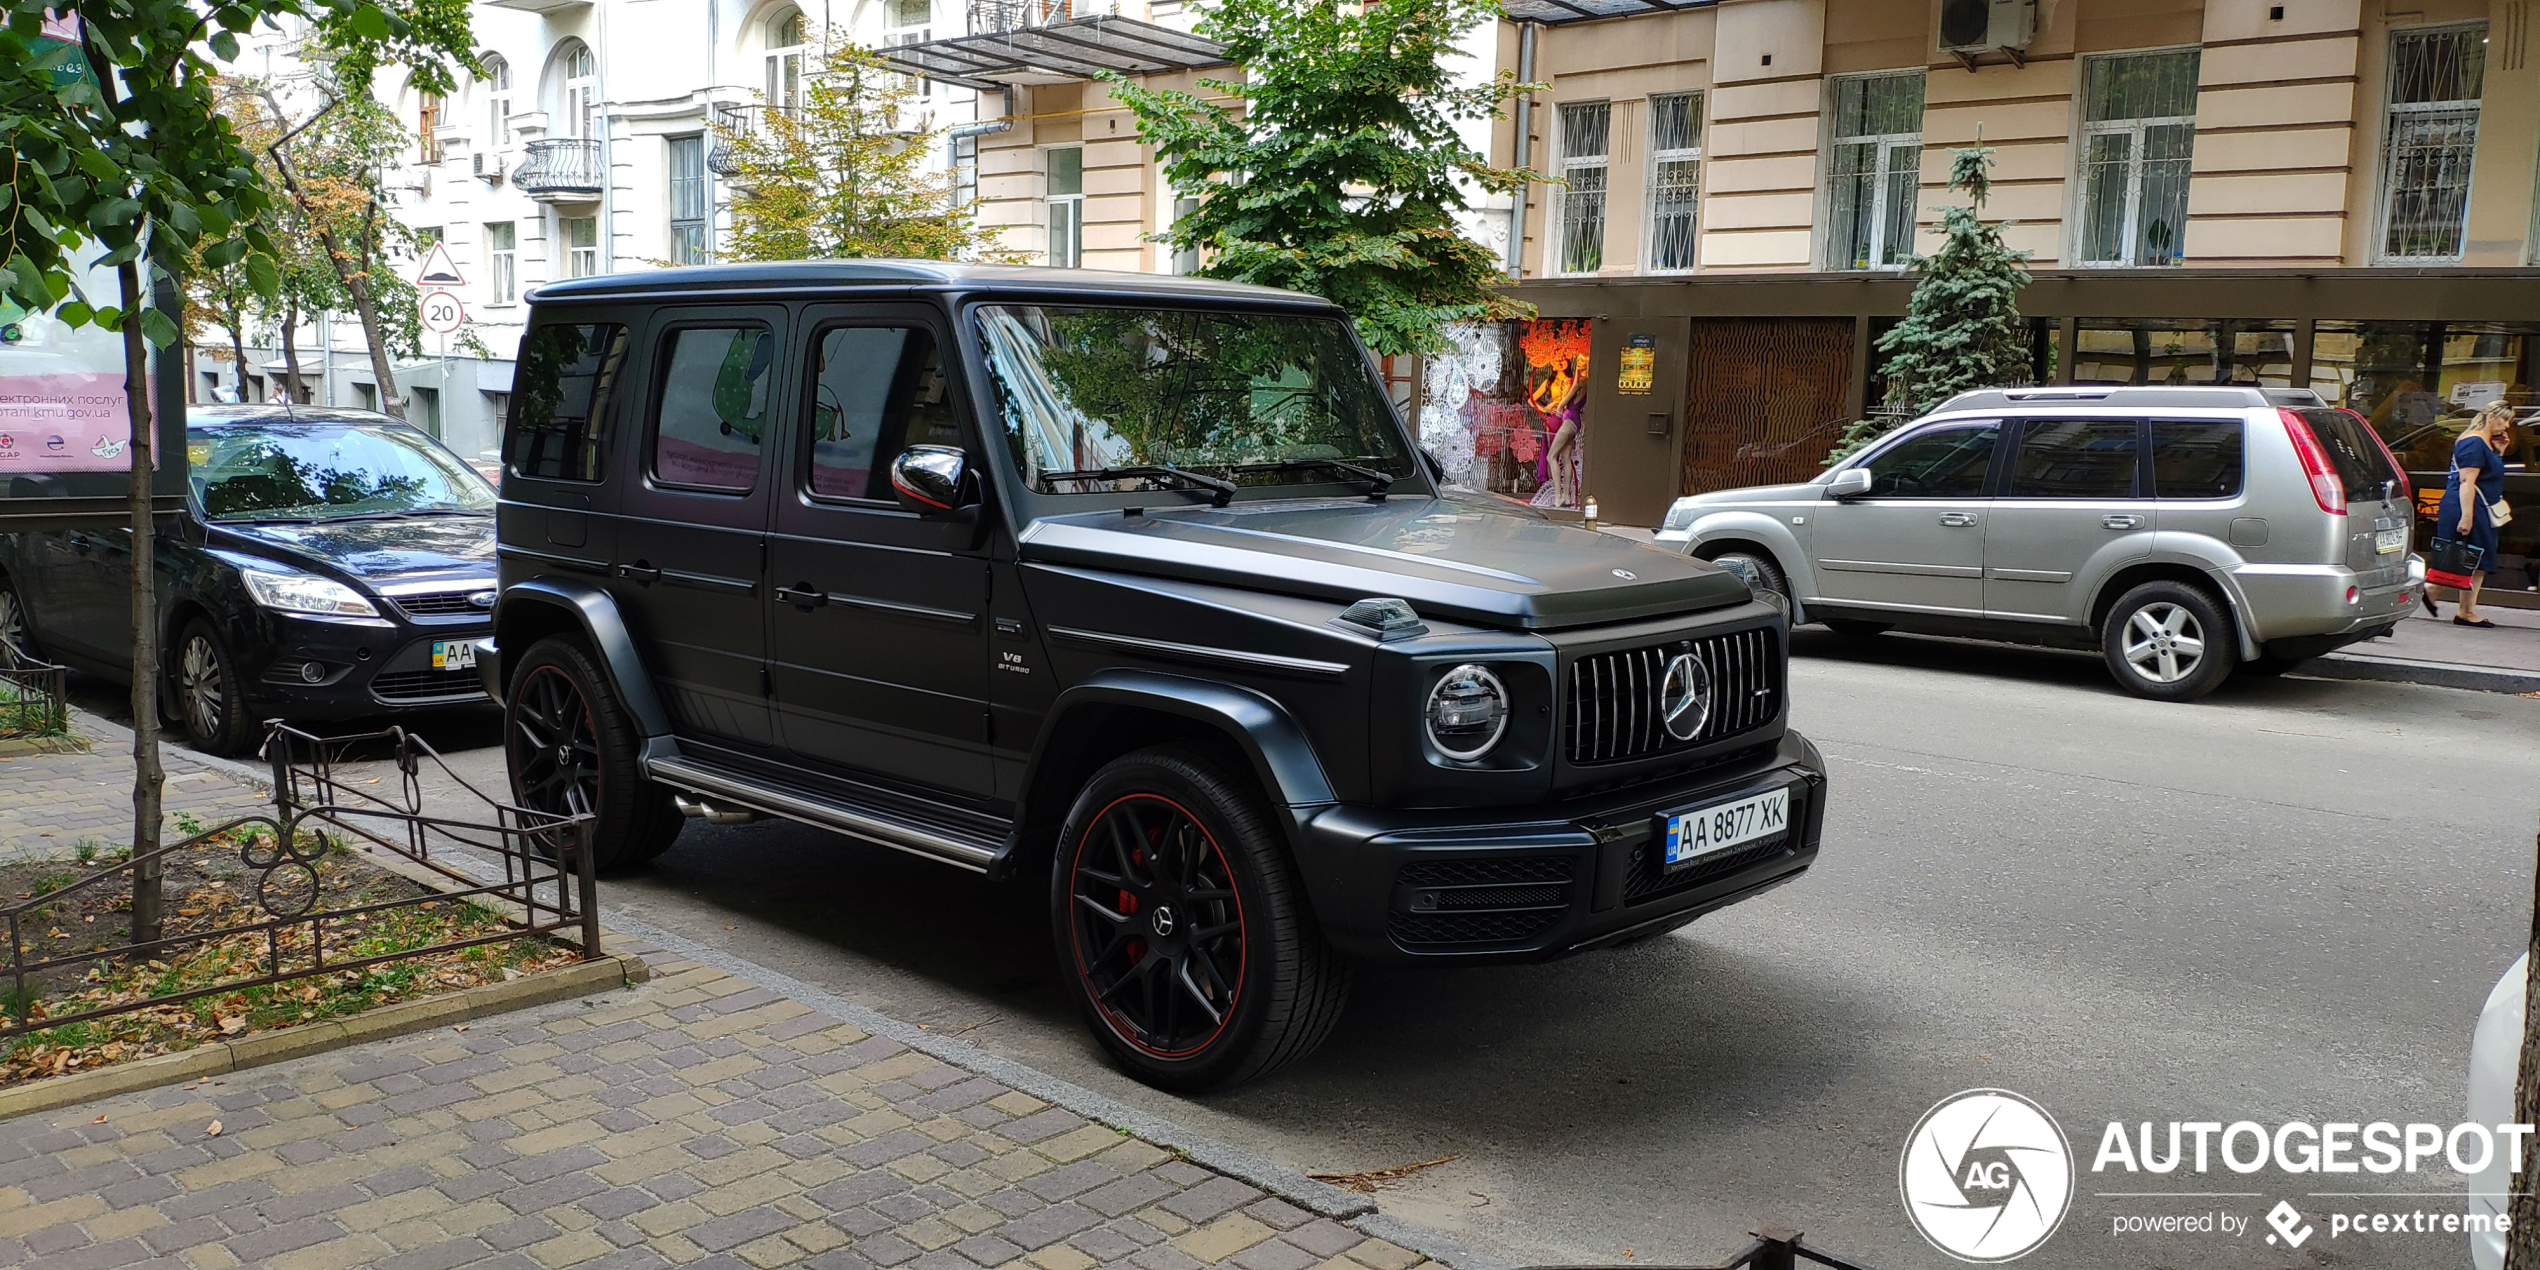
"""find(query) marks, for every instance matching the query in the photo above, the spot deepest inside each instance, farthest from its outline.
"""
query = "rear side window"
(2075, 458)
(712, 411)
(2196, 458)
(1944, 462)
(2352, 450)
(562, 388)
(876, 390)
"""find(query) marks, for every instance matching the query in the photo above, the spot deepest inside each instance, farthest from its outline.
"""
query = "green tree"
(1337, 170)
(139, 168)
(841, 176)
(1962, 328)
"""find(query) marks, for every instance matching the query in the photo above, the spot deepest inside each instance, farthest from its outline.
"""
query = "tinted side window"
(712, 410)
(2198, 459)
(2075, 458)
(561, 390)
(2354, 452)
(876, 390)
(1945, 462)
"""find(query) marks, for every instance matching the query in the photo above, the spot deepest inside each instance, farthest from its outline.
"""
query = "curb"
(106, 732)
(2438, 674)
(317, 1038)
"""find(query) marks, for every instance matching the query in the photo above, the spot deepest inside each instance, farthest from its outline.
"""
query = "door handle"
(1957, 520)
(2122, 522)
(802, 596)
(642, 573)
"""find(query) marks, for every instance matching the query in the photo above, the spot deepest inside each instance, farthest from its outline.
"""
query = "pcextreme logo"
(1987, 1176)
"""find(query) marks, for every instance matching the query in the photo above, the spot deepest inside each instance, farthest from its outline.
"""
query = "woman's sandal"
(2482, 623)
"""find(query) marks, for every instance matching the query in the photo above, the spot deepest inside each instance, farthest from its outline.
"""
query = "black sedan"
(330, 564)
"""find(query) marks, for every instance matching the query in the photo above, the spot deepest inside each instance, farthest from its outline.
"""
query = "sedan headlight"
(305, 593)
(1468, 712)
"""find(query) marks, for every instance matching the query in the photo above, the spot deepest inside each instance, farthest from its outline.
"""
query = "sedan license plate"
(2388, 541)
(454, 654)
(1708, 831)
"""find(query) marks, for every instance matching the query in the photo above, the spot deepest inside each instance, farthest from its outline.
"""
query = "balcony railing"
(733, 122)
(996, 17)
(560, 170)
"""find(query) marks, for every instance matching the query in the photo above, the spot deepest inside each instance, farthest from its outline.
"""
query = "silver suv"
(2183, 531)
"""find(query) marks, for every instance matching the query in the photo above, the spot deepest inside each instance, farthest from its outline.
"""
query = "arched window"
(497, 81)
(786, 38)
(578, 113)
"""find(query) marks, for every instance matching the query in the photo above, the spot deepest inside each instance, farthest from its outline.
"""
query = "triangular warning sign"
(437, 270)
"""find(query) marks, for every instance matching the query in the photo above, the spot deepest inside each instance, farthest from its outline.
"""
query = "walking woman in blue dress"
(2477, 479)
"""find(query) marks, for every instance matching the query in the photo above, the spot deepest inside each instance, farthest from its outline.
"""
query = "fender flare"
(1270, 738)
(2220, 569)
(1798, 571)
(595, 614)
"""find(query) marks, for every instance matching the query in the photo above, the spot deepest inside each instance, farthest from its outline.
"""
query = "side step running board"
(933, 844)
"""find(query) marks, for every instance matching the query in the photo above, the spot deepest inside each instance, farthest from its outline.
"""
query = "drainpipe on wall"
(1524, 156)
(1003, 123)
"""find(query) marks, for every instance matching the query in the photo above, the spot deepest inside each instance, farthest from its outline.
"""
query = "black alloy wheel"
(1182, 927)
(208, 692)
(1158, 933)
(571, 751)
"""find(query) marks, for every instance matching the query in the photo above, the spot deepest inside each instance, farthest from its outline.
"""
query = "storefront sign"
(1639, 371)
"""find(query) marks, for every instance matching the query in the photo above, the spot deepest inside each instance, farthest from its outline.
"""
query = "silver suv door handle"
(2122, 522)
(1957, 520)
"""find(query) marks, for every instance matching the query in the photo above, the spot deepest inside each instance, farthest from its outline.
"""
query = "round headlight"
(1468, 710)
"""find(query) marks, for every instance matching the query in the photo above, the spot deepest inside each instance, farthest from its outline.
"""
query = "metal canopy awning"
(1555, 12)
(1056, 52)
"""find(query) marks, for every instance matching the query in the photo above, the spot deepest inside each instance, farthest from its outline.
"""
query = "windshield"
(1252, 398)
(324, 471)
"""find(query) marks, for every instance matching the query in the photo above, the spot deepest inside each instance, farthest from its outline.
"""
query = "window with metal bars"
(1581, 206)
(2435, 84)
(1675, 179)
(1875, 170)
(2138, 135)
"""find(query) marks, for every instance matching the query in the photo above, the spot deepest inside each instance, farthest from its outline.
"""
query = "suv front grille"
(1611, 710)
(1489, 900)
(415, 685)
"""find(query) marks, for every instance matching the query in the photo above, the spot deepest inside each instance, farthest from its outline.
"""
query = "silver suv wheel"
(2164, 642)
(2171, 641)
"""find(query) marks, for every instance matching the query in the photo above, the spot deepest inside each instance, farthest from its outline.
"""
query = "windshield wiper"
(1219, 492)
(1380, 479)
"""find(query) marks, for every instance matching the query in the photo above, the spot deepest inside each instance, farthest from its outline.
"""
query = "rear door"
(2072, 511)
(1915, 542)
(691, 567)
(879, 641)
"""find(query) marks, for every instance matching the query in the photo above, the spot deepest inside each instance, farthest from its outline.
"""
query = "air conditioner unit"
(489, 168)
(1969, 27)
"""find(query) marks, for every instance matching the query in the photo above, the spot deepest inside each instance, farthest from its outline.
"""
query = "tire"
(2168, 641)
(17, 635)
(210, 697)
(1758, 569)
(570, 749)
(1206, 972)
(1855, 628)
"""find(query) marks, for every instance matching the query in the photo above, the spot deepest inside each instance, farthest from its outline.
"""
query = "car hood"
(1450, 559)
(375, 551)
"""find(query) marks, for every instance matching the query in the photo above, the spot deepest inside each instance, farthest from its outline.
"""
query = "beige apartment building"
(2332, 193)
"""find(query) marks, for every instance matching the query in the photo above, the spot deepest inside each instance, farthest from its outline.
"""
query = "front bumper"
(1531, 884)
(364, 668)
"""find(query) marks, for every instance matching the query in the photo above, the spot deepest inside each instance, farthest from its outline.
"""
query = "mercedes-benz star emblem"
(1627, 575)
(1161, 921)
(1684, 697)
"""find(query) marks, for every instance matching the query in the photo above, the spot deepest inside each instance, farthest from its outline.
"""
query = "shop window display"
(1505, 411)
(2257, 354)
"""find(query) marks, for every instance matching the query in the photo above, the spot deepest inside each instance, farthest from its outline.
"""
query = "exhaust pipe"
(699, 809)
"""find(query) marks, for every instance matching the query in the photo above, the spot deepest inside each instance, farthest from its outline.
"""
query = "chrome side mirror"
(1851, 482)
(931, 480)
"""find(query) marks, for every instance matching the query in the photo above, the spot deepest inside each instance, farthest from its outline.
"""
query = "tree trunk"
(2522, 1240)
(238, 349)
(356, 284)
(147, 778)
(291, 389)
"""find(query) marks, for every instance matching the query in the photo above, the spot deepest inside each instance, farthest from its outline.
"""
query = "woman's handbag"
(2450, 562)
(2499, 512)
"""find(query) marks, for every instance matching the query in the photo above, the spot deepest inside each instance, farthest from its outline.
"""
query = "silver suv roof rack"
(2149, 397)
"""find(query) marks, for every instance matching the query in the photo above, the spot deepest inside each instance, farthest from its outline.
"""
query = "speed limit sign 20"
(442, 312)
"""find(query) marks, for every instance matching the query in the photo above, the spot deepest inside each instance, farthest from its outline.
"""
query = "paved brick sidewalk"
(48, 802)
(696, 1120)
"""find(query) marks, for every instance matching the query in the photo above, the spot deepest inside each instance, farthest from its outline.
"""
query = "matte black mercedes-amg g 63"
(1131, 585)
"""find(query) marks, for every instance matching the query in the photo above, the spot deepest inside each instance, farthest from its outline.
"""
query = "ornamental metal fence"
(34, 698)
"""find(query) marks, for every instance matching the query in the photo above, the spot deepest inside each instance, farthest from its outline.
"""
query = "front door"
(1916, 541)
(691, 558)
(81, 599)
(2070, 514)
(879, 628)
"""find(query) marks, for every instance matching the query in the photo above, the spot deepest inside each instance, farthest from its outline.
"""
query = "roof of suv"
(818, 275)
(2155, 397)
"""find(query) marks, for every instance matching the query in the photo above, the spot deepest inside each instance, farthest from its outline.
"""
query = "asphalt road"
(2283, 903)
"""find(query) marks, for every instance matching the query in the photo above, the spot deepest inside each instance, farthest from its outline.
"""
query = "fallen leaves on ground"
(1369, 1181)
